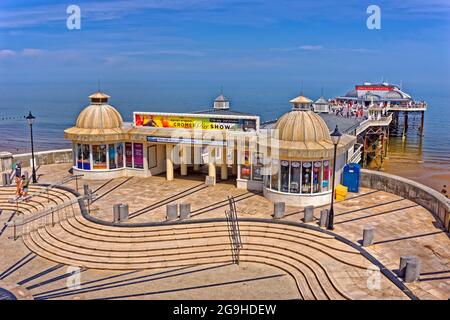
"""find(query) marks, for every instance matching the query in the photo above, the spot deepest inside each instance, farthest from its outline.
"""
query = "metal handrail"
(234, 253)
(46, 189)
(236, 222)
(43, 213)
(236, 240)
(48, 211)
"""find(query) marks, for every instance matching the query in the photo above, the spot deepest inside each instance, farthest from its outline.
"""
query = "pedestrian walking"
(18, 169)
(25, 184)
(18, 182)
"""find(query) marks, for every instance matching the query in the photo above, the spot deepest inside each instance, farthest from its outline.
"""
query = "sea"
(422, 158)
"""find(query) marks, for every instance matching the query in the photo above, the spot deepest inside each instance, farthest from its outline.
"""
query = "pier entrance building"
(289, 160)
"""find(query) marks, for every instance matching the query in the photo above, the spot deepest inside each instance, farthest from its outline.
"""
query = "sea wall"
(41, 158)
(425, 196)
(6, 160)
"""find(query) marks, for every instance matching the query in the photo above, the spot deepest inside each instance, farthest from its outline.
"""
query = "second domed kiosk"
(301, 156)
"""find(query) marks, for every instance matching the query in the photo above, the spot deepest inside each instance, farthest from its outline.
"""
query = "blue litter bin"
(352, 173)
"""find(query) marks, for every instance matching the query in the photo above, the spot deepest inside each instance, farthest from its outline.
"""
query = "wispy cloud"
(32, 15)
(306, 47)
(232, 12)
(129, 56)
(419, 7)
(194, 53)
(5, 53)
(27, 52)
(316, 48)
(309, 47)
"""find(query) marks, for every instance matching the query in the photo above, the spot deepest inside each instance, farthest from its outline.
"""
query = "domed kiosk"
(301, 155)
(98, 140)
(99, 115)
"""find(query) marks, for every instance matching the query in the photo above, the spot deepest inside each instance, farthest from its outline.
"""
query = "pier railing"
(412, 107)
(357, 154)
(381, 121)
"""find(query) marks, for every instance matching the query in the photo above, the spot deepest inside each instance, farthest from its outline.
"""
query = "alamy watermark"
(373, 278)
(73, 21)
(374, 20)
(73, 282)
(222, 147)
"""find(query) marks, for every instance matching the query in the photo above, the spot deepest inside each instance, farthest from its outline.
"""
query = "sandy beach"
(432, 176)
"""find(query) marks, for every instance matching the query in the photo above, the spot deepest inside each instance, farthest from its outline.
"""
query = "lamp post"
(335, 138)
(30, 118)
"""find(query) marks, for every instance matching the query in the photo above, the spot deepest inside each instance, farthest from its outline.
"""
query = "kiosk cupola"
(99, 98)
(221, 103)
(301, 103)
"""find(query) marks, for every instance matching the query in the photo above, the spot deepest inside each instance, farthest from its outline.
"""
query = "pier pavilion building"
(386, 109)
(290, 159)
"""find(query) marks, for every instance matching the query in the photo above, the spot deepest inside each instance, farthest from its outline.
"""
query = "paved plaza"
(401, 228)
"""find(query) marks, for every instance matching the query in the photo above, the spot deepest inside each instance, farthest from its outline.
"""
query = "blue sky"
(180, 52)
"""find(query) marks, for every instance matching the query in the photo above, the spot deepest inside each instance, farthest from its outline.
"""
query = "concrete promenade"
(402, 227)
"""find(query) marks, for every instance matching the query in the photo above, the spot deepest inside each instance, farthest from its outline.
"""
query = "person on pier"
(444, 191)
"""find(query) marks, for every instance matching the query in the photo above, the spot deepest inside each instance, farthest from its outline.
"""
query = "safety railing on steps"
(233, 227)
(49, 216)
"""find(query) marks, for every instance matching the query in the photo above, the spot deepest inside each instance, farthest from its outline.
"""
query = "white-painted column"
(74, 154)
(91, 157)
(169, 162)
(196, 158)
(223, 165)
(107, 156)
(145, 150)
(211, 163)
(234, 168)
(184, 161)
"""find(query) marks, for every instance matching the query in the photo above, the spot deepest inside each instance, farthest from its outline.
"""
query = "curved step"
(74, 235)
(321, 277)
(137, 232)
(314, 278)
(309, 256)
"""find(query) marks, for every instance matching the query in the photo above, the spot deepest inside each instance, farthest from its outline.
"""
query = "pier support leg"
(405, 124)
(422, 118)
(365, 149)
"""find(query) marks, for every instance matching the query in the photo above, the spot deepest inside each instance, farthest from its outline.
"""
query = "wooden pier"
(401, 117)
(374, 133)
